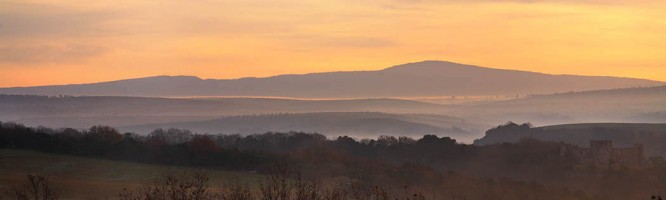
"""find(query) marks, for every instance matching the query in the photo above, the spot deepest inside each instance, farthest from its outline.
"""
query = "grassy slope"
(630, 126)
(89, 178)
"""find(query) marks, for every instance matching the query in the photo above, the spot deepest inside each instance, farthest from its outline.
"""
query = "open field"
(90, 178)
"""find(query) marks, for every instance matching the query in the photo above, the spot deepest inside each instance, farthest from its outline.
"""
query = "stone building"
(602, 154)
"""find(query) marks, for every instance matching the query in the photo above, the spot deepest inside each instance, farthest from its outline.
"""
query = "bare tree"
(236, 191)
(172, 187)
(37, 187)
(276, 187)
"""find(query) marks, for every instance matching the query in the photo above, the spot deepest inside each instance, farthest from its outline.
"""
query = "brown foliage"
(278, 186)
(105, 133)
(172, 187)
(236, 191)
(37, 187)
(202, 144)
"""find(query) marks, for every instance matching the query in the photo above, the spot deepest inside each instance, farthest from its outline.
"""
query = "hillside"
(30, 105)
(123, 111)
(653, 136)
(427, 78)
(331, 124)
(635, 105)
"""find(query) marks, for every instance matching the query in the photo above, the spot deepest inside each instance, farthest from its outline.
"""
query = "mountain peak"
(160, 78)
(431, 65)
(184, 77)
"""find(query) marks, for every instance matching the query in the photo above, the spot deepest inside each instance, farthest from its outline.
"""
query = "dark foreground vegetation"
(310, 166)
(37, 186)
(278, 186)
(653, 136)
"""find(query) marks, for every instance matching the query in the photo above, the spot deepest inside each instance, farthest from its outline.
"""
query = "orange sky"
(71, 41)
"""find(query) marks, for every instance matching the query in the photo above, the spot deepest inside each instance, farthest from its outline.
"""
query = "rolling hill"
(332, 124)
(122, 111)
(636, 105)
(360, 117)
(22, 106)
(427, 78)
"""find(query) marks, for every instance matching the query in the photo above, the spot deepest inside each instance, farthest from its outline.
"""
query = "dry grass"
(90, 178)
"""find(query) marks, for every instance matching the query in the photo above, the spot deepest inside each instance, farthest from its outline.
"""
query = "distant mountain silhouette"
(427, 78)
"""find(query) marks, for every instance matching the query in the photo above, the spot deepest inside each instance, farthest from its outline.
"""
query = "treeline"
(433, 166)
(252, 152)
(107, 142)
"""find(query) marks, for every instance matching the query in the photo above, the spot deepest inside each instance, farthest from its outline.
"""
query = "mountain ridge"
(425, 78)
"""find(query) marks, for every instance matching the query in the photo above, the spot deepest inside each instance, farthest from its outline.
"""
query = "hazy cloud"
(152, 37)
(48, 53)
(359, 42)
(37, 21)
(344, 41)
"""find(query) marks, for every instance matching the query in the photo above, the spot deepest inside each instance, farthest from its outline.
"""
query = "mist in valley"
(337, 143)
(371, 117)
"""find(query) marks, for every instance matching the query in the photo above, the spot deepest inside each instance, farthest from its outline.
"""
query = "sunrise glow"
(79, 41)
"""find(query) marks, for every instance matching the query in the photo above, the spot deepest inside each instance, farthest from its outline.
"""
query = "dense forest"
(430, 167)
